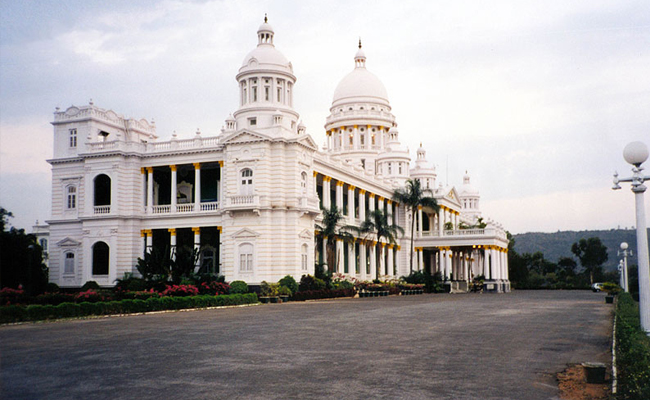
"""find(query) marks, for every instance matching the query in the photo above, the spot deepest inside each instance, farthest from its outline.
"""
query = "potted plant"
(612, 290)
(284, 293)
(269, 292)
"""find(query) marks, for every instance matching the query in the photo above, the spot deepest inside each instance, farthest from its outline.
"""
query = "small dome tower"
(266, 83)
(423, 171)
(469, 199)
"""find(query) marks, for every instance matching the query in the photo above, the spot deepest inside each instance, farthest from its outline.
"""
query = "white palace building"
(249, 199)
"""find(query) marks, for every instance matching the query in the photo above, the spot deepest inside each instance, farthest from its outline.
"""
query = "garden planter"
(284, 298)
(609, 299)
(595, 372)
(275, 300)
(265, 299)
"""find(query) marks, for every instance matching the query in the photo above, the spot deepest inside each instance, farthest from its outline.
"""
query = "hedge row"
(322, 294)
(632, 351)
(37, 312)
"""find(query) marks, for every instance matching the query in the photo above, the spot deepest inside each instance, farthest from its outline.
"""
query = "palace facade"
(249, 199)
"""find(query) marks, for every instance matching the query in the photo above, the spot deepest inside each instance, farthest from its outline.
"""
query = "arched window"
(71, 197)
(245, 257)
(303, 257)
(102, 190)
(68, 263)
(100, 258)
(246, 187)
(303, 182)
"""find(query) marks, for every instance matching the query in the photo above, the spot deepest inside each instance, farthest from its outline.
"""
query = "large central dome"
(360, 85)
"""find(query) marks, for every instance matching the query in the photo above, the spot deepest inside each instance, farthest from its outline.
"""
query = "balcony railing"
(182, 208)
(210, 206)
(242, 199)
(465, 232)
(102, 209)
(185, 207)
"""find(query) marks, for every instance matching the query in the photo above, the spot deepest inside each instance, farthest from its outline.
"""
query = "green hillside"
(558, 244)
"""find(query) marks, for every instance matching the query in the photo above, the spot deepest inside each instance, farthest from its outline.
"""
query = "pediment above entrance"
(244, 137)
(306, 234)
(68, 242)
(245, 233)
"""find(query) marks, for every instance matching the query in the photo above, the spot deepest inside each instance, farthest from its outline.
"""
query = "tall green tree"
(592, 255)
(412, 196)
(21, 258)
(376, 226)
(333, 229)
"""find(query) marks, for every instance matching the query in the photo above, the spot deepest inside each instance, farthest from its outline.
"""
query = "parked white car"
(596, 287)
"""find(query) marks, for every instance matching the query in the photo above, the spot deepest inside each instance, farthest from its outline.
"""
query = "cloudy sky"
(536, 99)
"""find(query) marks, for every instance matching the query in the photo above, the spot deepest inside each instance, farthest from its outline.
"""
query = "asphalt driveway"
(469, 346)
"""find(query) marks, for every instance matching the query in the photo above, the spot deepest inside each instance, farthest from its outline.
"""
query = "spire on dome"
(265, 32)
(360, 57)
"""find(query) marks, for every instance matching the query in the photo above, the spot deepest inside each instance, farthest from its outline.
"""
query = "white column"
(419, 221)
(466, 267)
(362, 204)
(197, 246)
(368, 144)
(371, 203)
(420, 259)
(382, 259)
(329, 267)
(355, 138)
(373, 261)
(389, 211)
(496, 265)
(351, 260)
(440, 220)
(172, 242)
(197, 186)
(174, 188)
(362, 261)
(390, 265)
(486, 264)
(351, 203)
(149, 190)
(338, 260)
(220, 187)
(339, 195)
(441, 263)
(326, 192)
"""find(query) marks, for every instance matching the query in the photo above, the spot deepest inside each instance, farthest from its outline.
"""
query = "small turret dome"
(467, 189)
(265, 55)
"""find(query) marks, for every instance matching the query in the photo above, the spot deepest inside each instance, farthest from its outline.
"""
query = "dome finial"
(359, 41)
(265, 18)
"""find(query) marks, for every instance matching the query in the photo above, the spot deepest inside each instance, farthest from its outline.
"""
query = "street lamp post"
(624, 278)
(636, 153)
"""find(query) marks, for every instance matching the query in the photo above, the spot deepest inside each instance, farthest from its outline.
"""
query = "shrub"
(214, 288)
(12, 296)
(308, 282)
(90, 285)
(143, 295)
(269, 289)
(180, 290)
(90, 308)
(238, 287)
(68, 310)
(12, 314)
(36, 312)
(289, 283)
(90, 296)
(633, 351)
(130, 284)
(52, 287)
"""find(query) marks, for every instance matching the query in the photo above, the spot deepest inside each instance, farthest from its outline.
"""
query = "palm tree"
(376, 224)
(330, 229)
(412, 196)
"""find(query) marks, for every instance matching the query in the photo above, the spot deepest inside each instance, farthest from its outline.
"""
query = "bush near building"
(37, 312)
(632, 351)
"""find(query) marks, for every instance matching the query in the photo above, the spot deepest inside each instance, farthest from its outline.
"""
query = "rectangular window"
(73, 138)
(254, 93)
(68, 267)
(252, 121)
(304, 262)
(267, 93)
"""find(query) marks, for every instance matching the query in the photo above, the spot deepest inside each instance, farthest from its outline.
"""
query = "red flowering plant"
(180, 290)
(9, 296)
(90, 296)
(214, 288)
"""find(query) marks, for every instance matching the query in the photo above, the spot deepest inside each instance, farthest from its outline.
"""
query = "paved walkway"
(469, 346)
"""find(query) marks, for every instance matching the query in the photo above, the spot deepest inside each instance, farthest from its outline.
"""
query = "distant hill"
(558, 244)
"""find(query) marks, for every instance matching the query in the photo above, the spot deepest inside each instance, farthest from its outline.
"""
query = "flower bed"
(37, 312)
